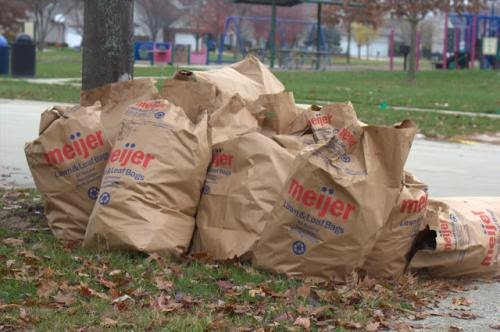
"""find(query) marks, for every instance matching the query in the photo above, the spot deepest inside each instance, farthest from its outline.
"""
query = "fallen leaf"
(462, 315)
(108, 322)
(282, 317)
(372, 327)
(64, 299)
(163, 284)
(122, 298)
(351, 325)
(29, 254)
(13, 242)
(256, 291)
(455, 328)
(461, 301)
(9, 263)
(86, 291)
(156, 258)
(304, 291)
(106, 283)
(367, 283)
(225, 284)
(46, 288)
(303, 322)
(495, 326)
(115, 272)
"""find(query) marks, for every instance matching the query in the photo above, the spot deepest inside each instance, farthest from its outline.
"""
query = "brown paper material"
(152, 182)
(231, 120)
(192, 96)
(466, 232)
(67, 161)
(327, 120)
(388, 258)
(336, 199)
(293, 143)
(252, 68)
(242, 185)
(249, 78)
(115, 98)
(277, 114)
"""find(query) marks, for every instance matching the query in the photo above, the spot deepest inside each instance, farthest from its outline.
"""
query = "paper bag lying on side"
(115, 98)
(241, 187)
(463, 235)
(152, 181)
(338, 195)
(389, 256)
(67, 161)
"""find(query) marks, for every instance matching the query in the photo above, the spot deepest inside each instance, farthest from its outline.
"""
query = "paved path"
(450, 169)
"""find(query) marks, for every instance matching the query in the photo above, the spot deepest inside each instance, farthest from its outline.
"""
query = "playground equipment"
(404, 49)
(168, 53)
(468, 37)
(234, 24)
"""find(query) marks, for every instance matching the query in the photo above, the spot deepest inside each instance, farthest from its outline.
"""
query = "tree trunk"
(153, 31)
(107, 42)
(359, 51)
(412, 60)
(367, 51)
(349, 37)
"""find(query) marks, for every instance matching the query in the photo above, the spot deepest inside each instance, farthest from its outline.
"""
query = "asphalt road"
(450, 169)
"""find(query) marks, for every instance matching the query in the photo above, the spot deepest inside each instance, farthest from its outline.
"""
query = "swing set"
(234, 26)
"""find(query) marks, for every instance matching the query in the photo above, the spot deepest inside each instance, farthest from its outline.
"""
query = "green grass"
(93, 279)
(467, 91)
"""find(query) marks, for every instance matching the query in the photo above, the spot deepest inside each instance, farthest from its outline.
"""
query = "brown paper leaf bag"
(242, 184)
(326, 120)
(194, 97)
(338, 195)
(67, 161)
(115, 98)
(152, 182)
(462, 239)
(388, 258)
(231, 120)
(249, 78)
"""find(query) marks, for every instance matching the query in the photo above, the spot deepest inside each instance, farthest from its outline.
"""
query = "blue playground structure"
(233, 24)
(471, 37)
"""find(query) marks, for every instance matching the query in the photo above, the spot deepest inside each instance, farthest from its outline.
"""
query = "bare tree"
(75, 15)
(44, 12)
(107, 42)
(414, 11)
(156, 14)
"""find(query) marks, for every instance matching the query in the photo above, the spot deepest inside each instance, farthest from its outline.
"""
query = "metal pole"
(391, 51)
(273, 34)
(473, 43)
(318, 37)
(457, 45)
(445, 41)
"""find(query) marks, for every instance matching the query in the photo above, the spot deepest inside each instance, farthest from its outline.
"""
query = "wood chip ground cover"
(48, 285)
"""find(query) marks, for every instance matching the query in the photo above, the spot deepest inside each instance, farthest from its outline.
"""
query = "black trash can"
(4, 56)
(23, 56)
